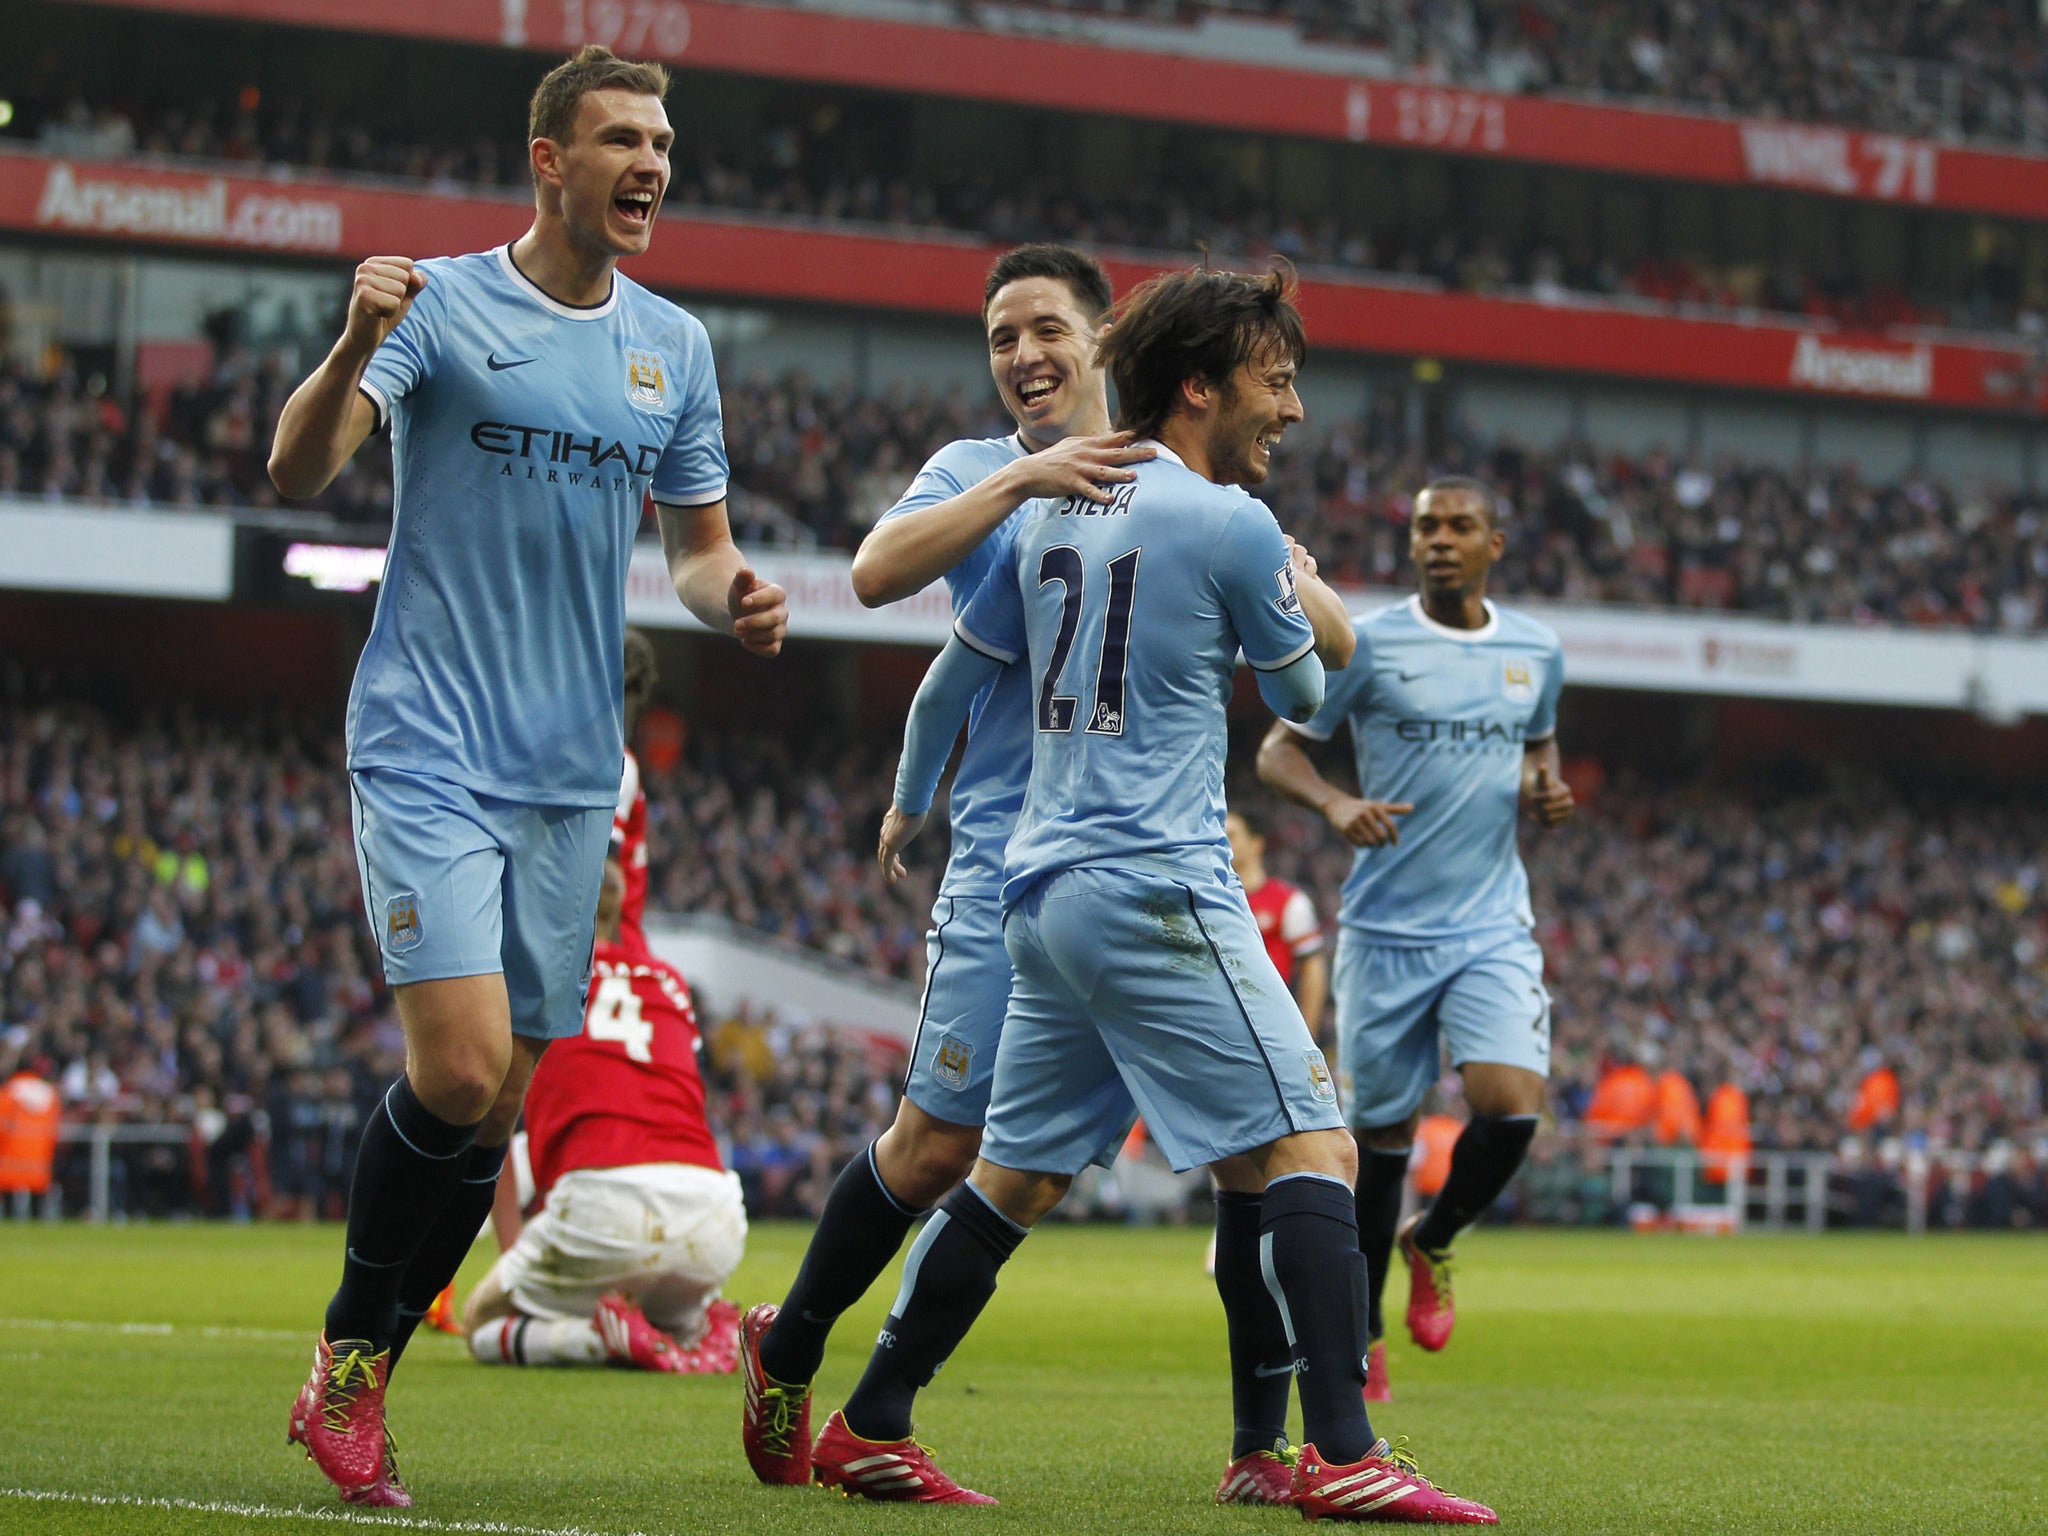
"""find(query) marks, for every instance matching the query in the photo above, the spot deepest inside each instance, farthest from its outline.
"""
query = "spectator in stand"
(1772, 946)
(1802, 545)
(821, 171)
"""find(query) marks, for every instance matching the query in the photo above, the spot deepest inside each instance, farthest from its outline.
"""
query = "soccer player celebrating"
(1452, 706)
(536, 398)
(1041, 307)
(1139, 973)
(620, 1150)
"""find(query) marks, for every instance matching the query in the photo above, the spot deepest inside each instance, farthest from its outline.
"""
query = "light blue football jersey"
(1440, 719)
(526, 434)
(1130, 617)
(988, 786)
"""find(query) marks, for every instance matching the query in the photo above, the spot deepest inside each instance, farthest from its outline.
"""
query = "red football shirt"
(629, 831)
(627, 1090)
(1287, 922)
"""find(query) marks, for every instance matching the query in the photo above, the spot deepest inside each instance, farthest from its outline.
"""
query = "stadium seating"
(813, 465)
(786, 175)
(183, 941)
(1900, 66)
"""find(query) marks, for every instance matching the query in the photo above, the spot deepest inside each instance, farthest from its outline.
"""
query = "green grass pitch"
(1599, 1382)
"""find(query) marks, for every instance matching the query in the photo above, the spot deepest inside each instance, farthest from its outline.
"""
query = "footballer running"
(1451, 703)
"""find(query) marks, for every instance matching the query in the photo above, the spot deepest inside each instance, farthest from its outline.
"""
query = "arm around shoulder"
(909, 550)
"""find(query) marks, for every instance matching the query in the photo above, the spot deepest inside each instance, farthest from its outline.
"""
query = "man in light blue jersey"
(1452, 708)
(1041, 308)
(1139, 973)
(536, 398)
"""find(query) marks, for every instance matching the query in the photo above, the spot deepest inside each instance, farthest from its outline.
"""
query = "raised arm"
(906, 553)
(715, 582)
(936, 715)
(328, 416)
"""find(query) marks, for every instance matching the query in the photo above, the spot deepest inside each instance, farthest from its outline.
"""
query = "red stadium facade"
(788, 43)
(734, 257)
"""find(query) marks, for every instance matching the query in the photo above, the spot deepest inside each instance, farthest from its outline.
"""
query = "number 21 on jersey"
(615, 1015)
(1063, 564)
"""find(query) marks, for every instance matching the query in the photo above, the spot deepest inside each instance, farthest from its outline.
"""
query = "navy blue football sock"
(1380, 1177)
(1308, 1250)
(408, 1166)
(948, 1278)
(1261, 1357)
(447, 1243)
(858, 1233)
(1483, 1159)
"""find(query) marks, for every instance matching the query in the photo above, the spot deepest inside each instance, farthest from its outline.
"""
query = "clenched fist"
(385, 287)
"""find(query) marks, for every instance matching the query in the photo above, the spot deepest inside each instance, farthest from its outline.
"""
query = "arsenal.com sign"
(1901, 374)
(739, 258)
(178, 207)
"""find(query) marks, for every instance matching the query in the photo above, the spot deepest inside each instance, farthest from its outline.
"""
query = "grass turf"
(1599, 1383)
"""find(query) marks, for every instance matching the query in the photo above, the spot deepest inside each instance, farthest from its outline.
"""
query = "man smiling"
(1041, 308)
(536, 399)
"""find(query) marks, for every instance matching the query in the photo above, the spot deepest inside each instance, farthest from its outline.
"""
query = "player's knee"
(1024, 1198)
(920, 1158)
(1343, 1153)
(1500, 1092)
(1331, 1154)
(460, 1089)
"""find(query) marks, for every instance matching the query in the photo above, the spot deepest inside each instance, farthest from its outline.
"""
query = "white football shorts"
(668, 1235)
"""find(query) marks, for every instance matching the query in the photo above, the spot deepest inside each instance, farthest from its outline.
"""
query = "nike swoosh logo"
(811, 1317)
(1409, 677)
(1274, 1370)
(495, 366)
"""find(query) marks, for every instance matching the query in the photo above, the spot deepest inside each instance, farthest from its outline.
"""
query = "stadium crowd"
(814, 465)
(821, 171)
(183, 942)
(1924, 67)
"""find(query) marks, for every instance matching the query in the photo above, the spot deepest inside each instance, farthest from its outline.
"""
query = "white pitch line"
(274, 1512)
(150, 1330)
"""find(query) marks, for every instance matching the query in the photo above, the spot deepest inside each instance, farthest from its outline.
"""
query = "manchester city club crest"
(401, 923)
(1518, 681)
(647, 381)
(955, 1058)
(1319, 1083)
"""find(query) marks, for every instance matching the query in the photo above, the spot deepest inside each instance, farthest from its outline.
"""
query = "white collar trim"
(533, 291)
(1485, 631)
(1167, 453)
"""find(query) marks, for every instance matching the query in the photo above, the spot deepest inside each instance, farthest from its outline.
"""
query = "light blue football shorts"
(1147, 985)
(461, 884)
(966, 989)
(1482, 996)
